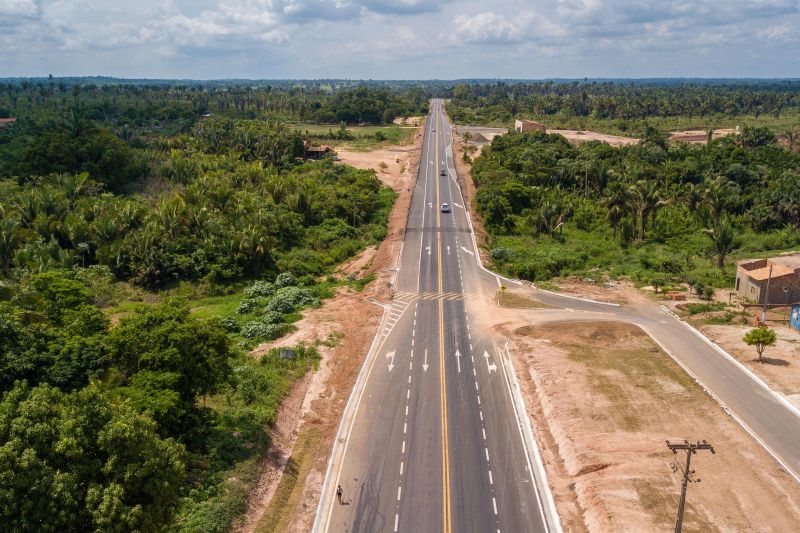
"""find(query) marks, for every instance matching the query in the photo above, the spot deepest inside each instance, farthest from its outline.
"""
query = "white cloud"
(486, 28)
(373, 38)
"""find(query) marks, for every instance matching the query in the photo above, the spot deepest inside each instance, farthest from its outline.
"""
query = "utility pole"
(689, 448)
(766, 299)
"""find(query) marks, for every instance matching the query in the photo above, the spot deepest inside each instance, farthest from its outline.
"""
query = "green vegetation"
(761, 338)
(658, 214)
(358, 137)
(138, 265)
(629, 108)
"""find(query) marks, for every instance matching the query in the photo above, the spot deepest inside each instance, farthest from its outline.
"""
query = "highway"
(431, 439)
(435, 443)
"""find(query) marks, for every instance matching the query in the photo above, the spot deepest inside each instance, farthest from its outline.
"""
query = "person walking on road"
(339, 494)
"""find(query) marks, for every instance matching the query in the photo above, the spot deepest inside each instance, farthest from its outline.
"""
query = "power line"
(690, 449)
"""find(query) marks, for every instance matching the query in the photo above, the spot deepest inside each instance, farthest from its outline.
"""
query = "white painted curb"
(546, 502)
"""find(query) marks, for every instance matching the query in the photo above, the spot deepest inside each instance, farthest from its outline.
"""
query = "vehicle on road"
(443, 172)
(445, 208)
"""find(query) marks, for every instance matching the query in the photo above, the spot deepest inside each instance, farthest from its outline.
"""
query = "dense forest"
(655, 212)
(623, 107)
(138, 266)
(127, 108)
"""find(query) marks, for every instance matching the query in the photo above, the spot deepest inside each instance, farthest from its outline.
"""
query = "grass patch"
(696, 308)
(624, 363)
(287, 495)
(660, 501)
(517, 301)
(358, 137)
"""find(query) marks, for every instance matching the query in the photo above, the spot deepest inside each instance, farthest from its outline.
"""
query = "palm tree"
(719, 195)
(618, 204)
(723, 239)
(9, 241)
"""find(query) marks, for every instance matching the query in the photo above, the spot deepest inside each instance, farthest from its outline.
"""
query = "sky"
(400, 39)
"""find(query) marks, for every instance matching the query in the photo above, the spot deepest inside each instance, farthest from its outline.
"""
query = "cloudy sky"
(408, 39)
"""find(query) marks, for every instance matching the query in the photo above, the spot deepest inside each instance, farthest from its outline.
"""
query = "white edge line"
(722, 405)
(782, 399)
(552, 522)
(347, 421)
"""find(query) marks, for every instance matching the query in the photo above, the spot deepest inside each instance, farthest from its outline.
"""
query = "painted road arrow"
(458, 359)
(491, 366)
(390, 356)
(425, 363)
(458, 205)
(470, 253)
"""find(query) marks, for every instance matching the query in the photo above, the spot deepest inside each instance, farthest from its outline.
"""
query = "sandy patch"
(700, 136)
(781, 363)
(620, 292)
(409, 121)
(322, 395)
(578, 136)
(603, 398)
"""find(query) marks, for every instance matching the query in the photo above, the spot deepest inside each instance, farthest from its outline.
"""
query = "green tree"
(723, 239)
(761, 338)
(74, 462)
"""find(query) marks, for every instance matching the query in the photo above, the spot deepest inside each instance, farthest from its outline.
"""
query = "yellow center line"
(446, 526)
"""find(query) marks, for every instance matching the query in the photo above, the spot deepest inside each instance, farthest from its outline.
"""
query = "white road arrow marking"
(390, 356)
(458, 359)
(428, 248)
(469, 252)
(448, 250)
(458, 205)
(425, 363)
(491, 366)
(430, 204)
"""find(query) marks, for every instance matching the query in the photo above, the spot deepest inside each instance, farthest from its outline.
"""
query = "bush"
(285, 279)
(257, 330)
(230, 324)
(260, 289)
(288, 299)
(249, 305)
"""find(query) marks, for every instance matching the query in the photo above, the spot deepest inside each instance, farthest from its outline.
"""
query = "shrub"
(285, 279)
(257, 330)
(230, 324)
(288, 299)
(260, 289)
(249, 305)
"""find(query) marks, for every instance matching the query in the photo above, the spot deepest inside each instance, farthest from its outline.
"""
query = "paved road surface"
(434, 443)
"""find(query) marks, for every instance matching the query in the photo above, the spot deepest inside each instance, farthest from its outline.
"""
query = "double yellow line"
(446, 522)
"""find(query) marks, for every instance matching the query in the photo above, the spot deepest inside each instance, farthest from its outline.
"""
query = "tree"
(75, 462)
(760, 338)
(723, 239)
(617, 202)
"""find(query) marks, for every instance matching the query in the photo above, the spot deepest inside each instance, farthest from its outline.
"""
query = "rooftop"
(760, 274)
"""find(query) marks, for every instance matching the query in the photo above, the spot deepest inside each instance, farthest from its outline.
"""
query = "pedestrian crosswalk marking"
(407, 296)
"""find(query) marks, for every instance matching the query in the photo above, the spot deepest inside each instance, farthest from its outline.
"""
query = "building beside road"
(523, 125)
(6, 122)
(781, 273)
(315, 152)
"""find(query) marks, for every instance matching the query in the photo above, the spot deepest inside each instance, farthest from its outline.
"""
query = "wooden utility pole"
(766, 299)
(690, 449)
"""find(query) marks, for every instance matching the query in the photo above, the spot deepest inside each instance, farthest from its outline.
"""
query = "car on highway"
(443, 172)
(445, 208)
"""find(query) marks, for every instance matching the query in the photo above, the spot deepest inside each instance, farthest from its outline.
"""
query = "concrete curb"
(545, 496)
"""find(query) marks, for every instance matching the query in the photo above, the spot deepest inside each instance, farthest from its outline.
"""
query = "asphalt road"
(430, 442)
(435, 444)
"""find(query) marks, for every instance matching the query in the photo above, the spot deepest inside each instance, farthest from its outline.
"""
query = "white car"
(445, 208)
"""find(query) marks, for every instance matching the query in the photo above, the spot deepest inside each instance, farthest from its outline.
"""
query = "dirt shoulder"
(603, 398)
(303, 436)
